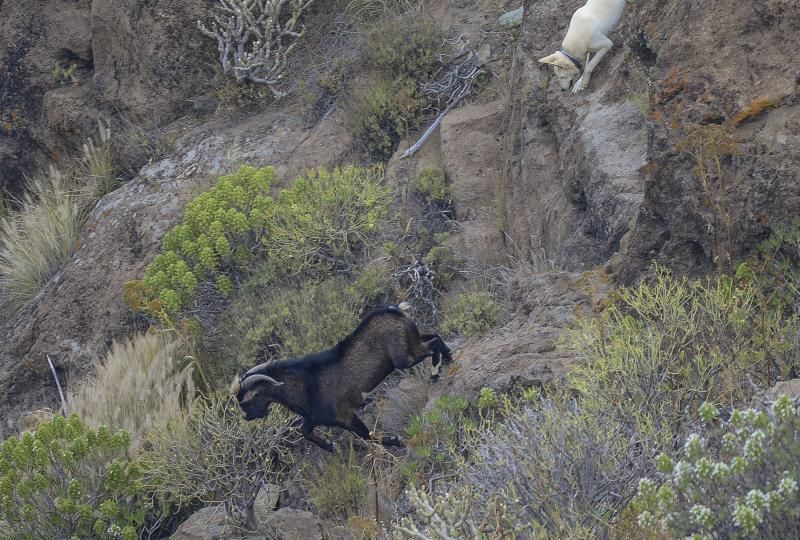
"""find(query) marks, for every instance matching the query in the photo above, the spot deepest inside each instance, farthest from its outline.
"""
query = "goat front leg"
(307, 429)
(357, 426)
(601, 47)
(439, 353)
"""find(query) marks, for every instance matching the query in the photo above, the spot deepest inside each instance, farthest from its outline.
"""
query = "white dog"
(588, 33)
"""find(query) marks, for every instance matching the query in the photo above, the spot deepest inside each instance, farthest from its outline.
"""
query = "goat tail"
(235, 385)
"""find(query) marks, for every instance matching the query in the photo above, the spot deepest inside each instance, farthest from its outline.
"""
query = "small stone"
(512, 18)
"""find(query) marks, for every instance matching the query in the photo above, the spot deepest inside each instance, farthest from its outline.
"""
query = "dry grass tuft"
(96, 162)
(752, 110)
(38, 237)
(140, 384)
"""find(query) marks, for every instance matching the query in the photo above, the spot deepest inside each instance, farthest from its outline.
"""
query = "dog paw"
(579, 85)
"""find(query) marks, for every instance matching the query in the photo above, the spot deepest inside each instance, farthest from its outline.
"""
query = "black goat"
(325, 388)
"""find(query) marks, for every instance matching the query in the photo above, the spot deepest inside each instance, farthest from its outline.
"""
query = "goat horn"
(254, 370)
(250, 381)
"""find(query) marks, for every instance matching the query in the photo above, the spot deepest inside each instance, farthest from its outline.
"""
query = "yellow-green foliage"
(273, 322)
(471, 313)
(435, 437)
(665, 346)
(405, 47)
(326, 217)
(69, 481)
(338, 487)
(40, 236)
(65, 75)
(403, 53)
(431, 184)
(219, 230)
(234, 95)
(141, 383)
(323, 220)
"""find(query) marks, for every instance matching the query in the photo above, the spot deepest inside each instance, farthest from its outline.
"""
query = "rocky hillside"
(684, 150)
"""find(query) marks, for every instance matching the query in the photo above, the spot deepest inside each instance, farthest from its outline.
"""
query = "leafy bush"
(405, 47)
(431, 184)
(381, 112)
(220, 228)
(663, 348)
(442, 260)
(212, 455)
(326, 218)
(69, 481)
(552, 467)
(403, 53)
(738, 478)
(436, 437)
(470, 314)
(322, 221)
(338, 486)
(295, 321)
(39, 237)
(140, 384)
(534, 468)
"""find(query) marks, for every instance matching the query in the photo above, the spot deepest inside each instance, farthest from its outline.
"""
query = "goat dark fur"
(325, 388)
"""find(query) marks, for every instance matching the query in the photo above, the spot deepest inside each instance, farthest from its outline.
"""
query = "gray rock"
(791, 388)
(293, 524)
(267, 500)
(511, 18)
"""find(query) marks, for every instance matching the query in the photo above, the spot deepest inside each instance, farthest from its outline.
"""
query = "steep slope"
(599, 173)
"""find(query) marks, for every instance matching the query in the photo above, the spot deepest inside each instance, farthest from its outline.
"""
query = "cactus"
(255, 38)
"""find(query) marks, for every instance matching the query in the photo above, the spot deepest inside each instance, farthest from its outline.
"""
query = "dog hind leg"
(601, 46)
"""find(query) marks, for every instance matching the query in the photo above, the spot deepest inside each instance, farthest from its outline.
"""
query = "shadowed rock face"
(594, 174)
(140, 60)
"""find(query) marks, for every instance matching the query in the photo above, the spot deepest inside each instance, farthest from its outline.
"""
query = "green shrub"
(431, 184)
(338, 486)
(296, 321)
(776, 268)
(381, 112)
(471, 314)
(326, 218)
(442, 260)
(322, 221)
(220, 229)
(405, 47)
(69, 481)
(211, 455)
(664, 347)
(736, 479)
(436, 437)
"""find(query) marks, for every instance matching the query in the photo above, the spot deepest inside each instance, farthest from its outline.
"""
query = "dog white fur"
(587, 36)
